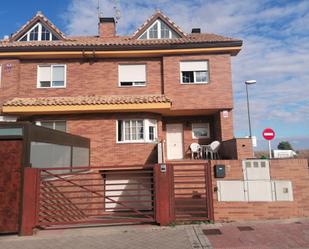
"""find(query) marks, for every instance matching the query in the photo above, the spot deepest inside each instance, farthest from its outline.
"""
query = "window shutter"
(58, 73)
(45, 73)
(132, 73)
(193, 66)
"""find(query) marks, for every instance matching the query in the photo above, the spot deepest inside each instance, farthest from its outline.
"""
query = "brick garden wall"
(295, 170)
(237, 148)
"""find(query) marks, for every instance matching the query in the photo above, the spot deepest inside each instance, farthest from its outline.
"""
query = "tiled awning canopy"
(84, 104)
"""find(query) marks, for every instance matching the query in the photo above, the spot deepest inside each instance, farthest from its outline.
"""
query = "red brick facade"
(217, 94)
(105, 150)
(237, 148)
(89, 74)
(101, 77)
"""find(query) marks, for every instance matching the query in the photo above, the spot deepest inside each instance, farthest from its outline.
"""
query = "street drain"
(212, 232)
(245, 228)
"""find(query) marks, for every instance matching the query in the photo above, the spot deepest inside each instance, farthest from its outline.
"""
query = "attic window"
(159, 30)
(39, 33)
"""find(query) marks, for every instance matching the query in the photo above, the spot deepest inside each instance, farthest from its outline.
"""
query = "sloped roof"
(119, 41)
(39, 17)
(158, 15)
(203, 40)
(88, 100)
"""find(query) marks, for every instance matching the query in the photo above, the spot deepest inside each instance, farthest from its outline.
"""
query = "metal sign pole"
(269, 148)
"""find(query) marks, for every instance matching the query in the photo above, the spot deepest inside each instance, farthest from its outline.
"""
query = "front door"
(174, 141)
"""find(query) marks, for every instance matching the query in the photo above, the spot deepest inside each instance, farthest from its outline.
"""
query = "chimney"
(107, 27)
(196, 31)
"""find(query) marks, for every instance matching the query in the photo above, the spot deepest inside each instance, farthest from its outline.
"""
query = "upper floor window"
(51, 76)
(137, 130)
(39, 33)
(159, 30)
(59, 125)
(132, 75)
(194, 72)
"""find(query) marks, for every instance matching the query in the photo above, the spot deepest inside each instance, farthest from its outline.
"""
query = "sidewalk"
(250, 235)
(293, 233)
(112, 237)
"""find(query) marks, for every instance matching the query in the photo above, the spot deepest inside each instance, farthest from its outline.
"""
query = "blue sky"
(275, 51)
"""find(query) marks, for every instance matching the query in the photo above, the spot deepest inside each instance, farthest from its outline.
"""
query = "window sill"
(136, 142)
(193, 83)
(131, 86)
(54, 87)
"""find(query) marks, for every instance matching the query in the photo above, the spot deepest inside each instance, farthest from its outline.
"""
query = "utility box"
(219, 171)
(283, 190)
(231, 191)
(256, 169)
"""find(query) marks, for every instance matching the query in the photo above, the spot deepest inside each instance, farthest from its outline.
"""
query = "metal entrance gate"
(100, 195)
(192, 192)
(124, 194)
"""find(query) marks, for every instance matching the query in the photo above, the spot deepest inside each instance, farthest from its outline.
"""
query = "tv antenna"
(100, 14)
(117, 10)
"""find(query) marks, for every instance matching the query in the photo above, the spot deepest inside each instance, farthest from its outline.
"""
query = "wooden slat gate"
(192, 192)
(97, 195)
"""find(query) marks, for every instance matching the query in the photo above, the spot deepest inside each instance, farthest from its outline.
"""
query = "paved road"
(259, 235)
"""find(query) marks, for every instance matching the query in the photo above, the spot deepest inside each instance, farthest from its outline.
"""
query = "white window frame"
(39, 33)
(146, 124)
(158, 21)
(39, 123)
(134, 84)
(51, 76)
(198, 125)
(194, 74)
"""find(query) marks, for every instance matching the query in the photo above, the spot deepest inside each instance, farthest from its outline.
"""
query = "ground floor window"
(136, 130)
(200, 130)
(59, 125)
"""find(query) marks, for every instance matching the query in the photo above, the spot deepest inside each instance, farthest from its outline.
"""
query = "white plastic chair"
(195, 149)
(213, 149)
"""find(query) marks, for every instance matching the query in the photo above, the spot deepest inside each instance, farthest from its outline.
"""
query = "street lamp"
(249, 82)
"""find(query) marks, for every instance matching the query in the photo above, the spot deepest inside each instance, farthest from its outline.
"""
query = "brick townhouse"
(125, 93)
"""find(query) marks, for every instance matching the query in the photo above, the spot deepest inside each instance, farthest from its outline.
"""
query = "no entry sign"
(269, 134)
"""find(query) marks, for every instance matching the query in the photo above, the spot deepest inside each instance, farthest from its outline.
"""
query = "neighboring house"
(125, 93)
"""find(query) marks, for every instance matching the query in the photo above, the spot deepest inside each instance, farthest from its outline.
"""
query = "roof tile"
(116, 41)
(88, 100)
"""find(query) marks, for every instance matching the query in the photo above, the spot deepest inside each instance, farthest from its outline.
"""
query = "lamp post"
(249, 82)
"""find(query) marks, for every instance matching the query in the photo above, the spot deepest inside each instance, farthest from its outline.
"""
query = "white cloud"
(275, 51)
